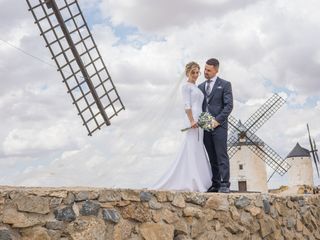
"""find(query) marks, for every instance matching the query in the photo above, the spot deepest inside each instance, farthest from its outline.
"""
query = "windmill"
(242, 137)
(71, 44)
(300, 175)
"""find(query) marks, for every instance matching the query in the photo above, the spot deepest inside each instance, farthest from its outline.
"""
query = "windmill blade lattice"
(267, 154)
(264, 113)
(66, 33)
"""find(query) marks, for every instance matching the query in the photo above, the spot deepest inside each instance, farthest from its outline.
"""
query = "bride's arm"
(186, 95)
(190, 117)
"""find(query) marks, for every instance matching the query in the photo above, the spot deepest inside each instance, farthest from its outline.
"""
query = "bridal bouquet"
(205, 122)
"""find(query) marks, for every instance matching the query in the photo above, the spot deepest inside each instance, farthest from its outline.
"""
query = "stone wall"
(79, 213)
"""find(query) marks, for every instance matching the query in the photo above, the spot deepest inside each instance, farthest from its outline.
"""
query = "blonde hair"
(190, 66)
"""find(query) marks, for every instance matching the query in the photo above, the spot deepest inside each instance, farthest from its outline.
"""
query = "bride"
(191, 169)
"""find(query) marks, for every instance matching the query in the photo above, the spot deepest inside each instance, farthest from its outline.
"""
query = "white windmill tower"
(301, 171)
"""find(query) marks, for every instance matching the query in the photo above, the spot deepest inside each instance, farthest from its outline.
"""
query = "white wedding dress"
(191, 169)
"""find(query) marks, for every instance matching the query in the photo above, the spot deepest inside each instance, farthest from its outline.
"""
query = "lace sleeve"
(186, 96)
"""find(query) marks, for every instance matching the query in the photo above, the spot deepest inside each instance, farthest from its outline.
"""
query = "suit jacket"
(220, 101)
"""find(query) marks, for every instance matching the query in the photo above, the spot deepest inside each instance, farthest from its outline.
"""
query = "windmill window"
(240, 166)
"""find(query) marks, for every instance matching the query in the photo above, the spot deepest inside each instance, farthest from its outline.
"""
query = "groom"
(218, 101)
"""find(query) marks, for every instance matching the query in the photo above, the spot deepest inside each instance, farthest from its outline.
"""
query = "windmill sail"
(71, 44)
(313, 151)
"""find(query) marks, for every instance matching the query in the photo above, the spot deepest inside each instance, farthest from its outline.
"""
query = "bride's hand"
(194, 124)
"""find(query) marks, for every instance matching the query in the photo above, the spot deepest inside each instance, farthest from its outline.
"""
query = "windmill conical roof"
(299, 151)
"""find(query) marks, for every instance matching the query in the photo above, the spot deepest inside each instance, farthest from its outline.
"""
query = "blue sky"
(145, 46)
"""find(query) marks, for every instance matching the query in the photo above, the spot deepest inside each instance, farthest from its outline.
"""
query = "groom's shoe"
(213, 189)
(224, 190)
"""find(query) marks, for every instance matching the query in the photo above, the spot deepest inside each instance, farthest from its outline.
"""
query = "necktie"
(208, 87)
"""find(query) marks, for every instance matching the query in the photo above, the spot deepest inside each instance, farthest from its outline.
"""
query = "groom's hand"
(215, 123)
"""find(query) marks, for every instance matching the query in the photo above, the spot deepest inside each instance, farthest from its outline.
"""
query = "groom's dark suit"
(219, 104)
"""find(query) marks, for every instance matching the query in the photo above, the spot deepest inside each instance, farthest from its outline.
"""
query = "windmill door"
(242, 186)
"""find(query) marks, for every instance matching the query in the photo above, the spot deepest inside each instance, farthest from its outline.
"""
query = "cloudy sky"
(264, 47)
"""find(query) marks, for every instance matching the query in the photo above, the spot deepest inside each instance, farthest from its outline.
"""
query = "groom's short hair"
(213, 62)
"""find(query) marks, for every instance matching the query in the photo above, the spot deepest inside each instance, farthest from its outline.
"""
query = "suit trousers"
(216, 146)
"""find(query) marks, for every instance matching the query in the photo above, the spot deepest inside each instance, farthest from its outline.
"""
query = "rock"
(291, 222)
(87, 228)
(161, 196)
(178, 201)
(86, 195)
(156, 231)
(131, 195)
(55, 225)
(242, 202)
(218, 202)
(137, 212)
(197, 227)
(111, 215)
(55, 202)
(22, 220)
(33, 204)
(90, 208)
(36, 233)
(192, 212)
(145, 196)
(69, 199)
(265, 227)
(196, 198)
(123, 230)
(109, 196)
(266, 206)
(253, 210)
(65, 214)
(153, 204)
(234, 213)
(169, 216)
(7, 233)
(180, 227)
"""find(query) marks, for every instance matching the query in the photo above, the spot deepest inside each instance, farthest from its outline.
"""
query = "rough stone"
(111, 215)
(253, 210)
(181, 227)
(69, 199)
(86, 195)
(22, 220)
(192, 212)
(131, 195)
(242, 202)
(8, 234)
(33, 204)
(109, 196)
(55, 225)
(157, 231)
(179, 201)
(153, 204)
(123, 230)
(55, 202)
(65, 214)
(90, 208)
(145, 196)
(218, 202)
(266, 206)
(196, 198)
(87, 228)
(169, 216)
(36, 233)
(137, 212)
(161, 196)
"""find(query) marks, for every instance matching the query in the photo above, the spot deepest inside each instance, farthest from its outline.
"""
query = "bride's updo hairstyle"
(190, 66)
